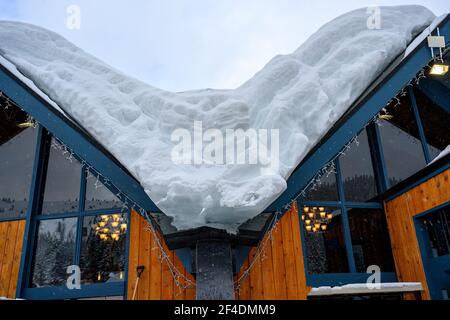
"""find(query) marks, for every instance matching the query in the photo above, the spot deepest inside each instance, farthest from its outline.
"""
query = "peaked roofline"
(372, 100)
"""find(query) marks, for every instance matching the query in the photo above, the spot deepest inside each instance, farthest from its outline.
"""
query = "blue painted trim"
(439, 207)
(14, 218)
(83, 183)
(185, 257)
(57, 216)
(345, 221)
(377, 154)
(364, 205)
(127, 255)
(331, 204)
(80, 219)
(418, 182)
(436, 92)
(340, 279)
(423, 138)
(86, 291)
(33, 207)
(302, 238)
(240, 255)
(356, 120)
(76, 214)
(53, 121)
(434, 267)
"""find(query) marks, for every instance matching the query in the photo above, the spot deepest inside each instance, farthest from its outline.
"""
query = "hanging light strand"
(328, 169)
(180, 279)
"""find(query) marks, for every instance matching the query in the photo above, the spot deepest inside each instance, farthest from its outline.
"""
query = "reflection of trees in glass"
(325, 190)
(326, 252)
(437, 225)
(316, 255)
(359, 188)
(99, 197)
(62, 186)
(370, 239)
(54, 252)
(435, 122)
(101, 261)
(400, 141)
(96, 204)
(17, 150)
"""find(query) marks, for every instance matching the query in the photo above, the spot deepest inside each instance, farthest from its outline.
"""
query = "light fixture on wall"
(29, 123)
(316, 219)
(439, 68)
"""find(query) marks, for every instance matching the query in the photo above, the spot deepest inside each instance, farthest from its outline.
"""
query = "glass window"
(17, 150)
(326, 190)
(103, 248)
(62, 186)
(437, 225)
(370, 239)
(55, 247)
(98, 196)
(325, 251)
(357, 171)
(435, 122)
(402, 147)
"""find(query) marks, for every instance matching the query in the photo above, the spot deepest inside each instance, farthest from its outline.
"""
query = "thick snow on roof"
(302, 94)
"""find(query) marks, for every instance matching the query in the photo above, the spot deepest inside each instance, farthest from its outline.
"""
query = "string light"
(326, 170)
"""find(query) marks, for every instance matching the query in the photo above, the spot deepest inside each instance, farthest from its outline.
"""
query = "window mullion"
(376, 151)
(34, 208)
(419, 124)
(345, 221)
(82, 196)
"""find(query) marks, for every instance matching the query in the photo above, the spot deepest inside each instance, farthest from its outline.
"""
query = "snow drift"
(302, 94)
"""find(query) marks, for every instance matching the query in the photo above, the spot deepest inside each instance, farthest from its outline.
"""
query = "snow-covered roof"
(302, 94)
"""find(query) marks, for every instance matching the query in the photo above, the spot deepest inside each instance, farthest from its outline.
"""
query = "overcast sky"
(189, 44)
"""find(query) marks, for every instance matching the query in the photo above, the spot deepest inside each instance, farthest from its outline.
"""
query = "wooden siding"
(280, 274)
(11, 238)
(156, 281)
(400, 214)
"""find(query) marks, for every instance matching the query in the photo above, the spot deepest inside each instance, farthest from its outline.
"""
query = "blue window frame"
(63, 237)
(356, 210)
(17, 152)
(433, 234)
(354, 213)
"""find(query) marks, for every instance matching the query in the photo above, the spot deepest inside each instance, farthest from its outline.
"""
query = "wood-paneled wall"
(156, 281)
(280, 275)
(400, 214)
(11, 239)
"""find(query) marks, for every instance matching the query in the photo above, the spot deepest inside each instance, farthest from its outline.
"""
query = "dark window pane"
(325, 252)
(370, 239)
(325, 190)
(357, 171)
(98, 196)
(55, 246)
(103, 248)
(17, 149)
(437, 225)
(402, 147)
(435, 122)
(62, 187)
